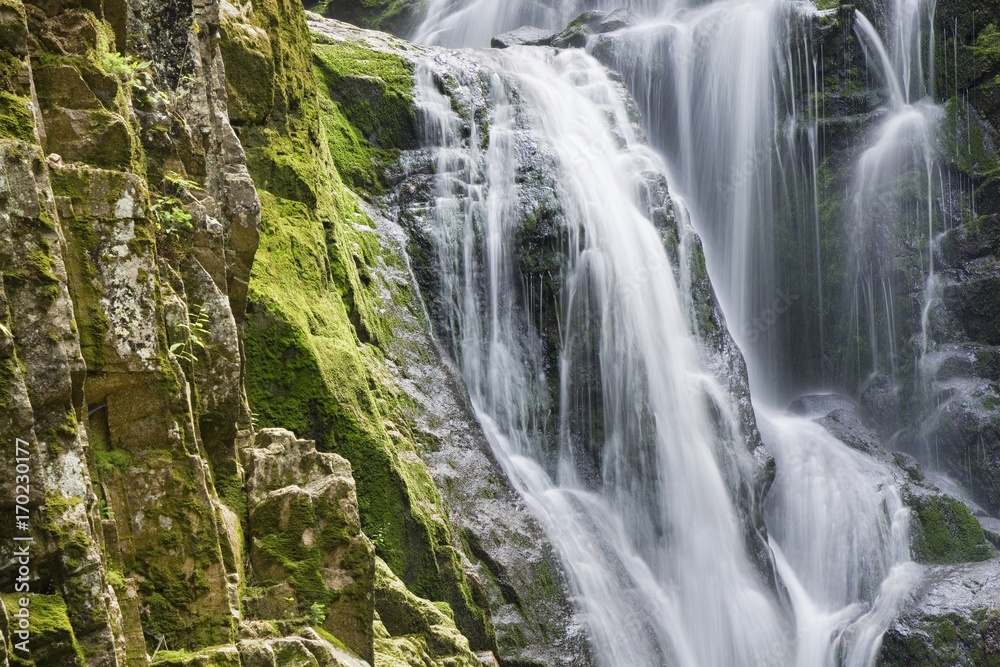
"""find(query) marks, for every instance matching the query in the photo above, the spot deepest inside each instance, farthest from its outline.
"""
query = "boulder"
(590, 23)
(579, 30)
(952, 619)
(523, 36)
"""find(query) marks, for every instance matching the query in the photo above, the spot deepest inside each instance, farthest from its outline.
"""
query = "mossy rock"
(52, 641)
(414, 630)
(316, 327)
(222, 656)
(949, 640)
(399, 17)
(97, 137)
(945, 531)
(249, 59)
(375, 90)
(16, 121)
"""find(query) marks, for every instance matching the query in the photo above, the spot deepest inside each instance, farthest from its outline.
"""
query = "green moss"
(951, 640)
(16, 121)
(231, 492)
(52, 639)
(107, 461)
(250, 82)
(72, 544)
(414, 630)
(945, 531)
(986, 51)
(374, 89)
(396, 16)
(223, 656)
(356, 159)
(279, 524)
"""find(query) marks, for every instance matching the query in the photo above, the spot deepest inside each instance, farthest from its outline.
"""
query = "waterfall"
(903, 151)
(582, 352)
(656, 549)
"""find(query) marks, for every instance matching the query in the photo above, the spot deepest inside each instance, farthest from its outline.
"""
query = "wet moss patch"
(945, 531)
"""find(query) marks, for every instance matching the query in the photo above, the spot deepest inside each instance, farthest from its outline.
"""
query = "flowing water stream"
(624, 442)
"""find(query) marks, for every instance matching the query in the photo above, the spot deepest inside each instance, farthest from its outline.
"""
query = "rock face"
(98, 326)
(184, 273)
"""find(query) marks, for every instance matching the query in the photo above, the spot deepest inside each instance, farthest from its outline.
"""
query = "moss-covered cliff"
(189, 265)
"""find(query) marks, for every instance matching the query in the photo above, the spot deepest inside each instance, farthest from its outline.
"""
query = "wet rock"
(511, 564)
(579, 30)
(619, 19)
(590, 23)
(820, 405)
(847, 427)
(880, 404)
(523, 36)
(962, 429)
(951, 619)
(942, 529)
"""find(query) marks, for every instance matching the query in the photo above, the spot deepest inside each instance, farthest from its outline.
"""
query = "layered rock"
(306, 544)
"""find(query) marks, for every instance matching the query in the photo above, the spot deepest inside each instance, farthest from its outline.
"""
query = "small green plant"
(317, 613)
(170, 217)
(107, 514)
(197, 336)
(125, 68)
(180, 183)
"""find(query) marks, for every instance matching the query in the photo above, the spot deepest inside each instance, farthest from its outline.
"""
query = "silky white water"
(643, 508)
(657, 555)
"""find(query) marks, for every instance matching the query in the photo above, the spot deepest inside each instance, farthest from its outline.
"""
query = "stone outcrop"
(305, 535)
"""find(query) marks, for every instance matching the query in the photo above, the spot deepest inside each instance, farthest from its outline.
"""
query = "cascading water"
(893, 190)
(636, 477)
(475, 22)
(657, 554)
(840, 535)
